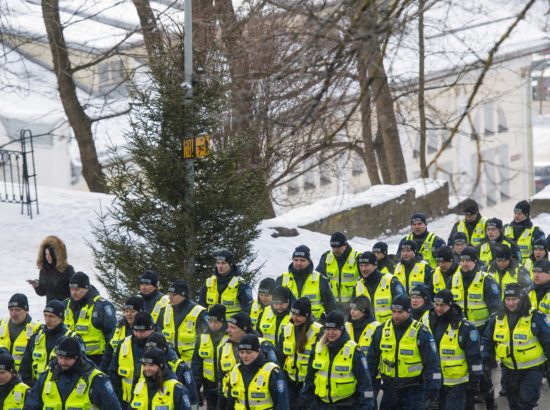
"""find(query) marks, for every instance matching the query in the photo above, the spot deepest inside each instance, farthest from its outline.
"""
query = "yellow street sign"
(197, 147)
(202, 146)
(188, 148)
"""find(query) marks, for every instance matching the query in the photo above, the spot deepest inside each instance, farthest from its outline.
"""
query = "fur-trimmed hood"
(60, 253)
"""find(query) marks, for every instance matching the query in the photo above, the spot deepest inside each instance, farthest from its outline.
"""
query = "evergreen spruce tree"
(148, 223)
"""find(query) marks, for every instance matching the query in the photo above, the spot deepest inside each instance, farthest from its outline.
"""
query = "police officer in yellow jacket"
(380, 288)
(458, 343)
(421, 303)
(427, 243)
(340, 266)
(205, 357)
(182, 320)
(337, 375)
(361, 324)
(447, 266)
(540, 251)
(90, 316)
(411, 268)
(295, 347)
(302, 280)
(459, 242)
(124, 369)
(132, 306)
(16, 331)
(385, 262)
(539, 292)
(255, 383)
(473, 290)
(522, 230)
(473, 224)
(153, 299)
(505, 269)
(404, 353)
(238, 326)
(478, 295)
(276, 316)
(265, 288)
(183, 372)
(41, 347)
(226, 287)
(494, 236)
(12, 389)
(158, 388)
(71, 382)
(520, 338)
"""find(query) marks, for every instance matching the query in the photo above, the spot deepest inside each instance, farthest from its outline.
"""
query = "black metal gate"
(17, 169)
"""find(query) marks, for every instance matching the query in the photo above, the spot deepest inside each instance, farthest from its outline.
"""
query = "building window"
(502, 123)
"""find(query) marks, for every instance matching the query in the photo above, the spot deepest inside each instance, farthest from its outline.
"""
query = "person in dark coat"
(67, 372)
(55, 272)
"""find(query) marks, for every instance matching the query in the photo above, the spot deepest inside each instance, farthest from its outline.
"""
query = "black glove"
(473, 387)
(431, 403)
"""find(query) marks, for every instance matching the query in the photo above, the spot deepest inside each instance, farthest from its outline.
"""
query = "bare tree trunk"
(387, 121)
(152, 37)
(242, 93)
(369, 157)
(238, 60)
(421, 83)
(78, 119)
(381, 94)
(204, 25)
(381, 157)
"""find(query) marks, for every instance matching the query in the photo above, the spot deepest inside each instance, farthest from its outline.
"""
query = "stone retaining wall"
(386, 218)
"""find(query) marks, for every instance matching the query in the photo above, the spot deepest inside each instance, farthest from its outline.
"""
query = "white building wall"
(500, 118)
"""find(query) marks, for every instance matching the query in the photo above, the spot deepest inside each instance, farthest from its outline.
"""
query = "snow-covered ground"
(68, 214)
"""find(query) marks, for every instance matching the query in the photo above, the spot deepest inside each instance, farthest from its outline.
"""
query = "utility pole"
(190, 162)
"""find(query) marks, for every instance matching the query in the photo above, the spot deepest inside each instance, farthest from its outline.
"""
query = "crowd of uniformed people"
(423, 329)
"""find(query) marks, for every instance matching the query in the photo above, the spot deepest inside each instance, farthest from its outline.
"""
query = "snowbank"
(68, 214)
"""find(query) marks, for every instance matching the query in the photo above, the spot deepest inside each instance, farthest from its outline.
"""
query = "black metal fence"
(18, 173)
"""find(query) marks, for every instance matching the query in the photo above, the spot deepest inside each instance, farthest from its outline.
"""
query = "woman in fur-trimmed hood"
(55, 272)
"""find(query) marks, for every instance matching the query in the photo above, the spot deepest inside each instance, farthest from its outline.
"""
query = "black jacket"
(54, 284)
